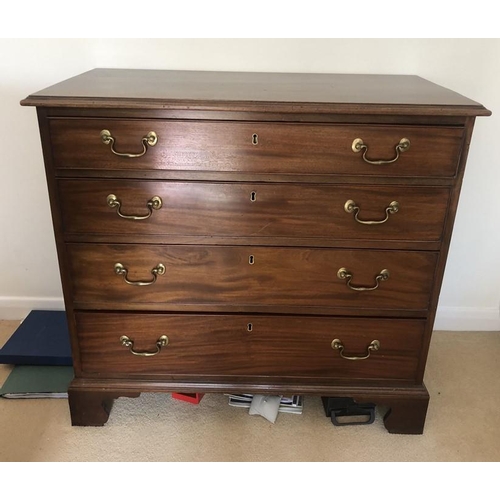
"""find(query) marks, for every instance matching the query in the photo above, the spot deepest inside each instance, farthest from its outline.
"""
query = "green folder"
(31, 382)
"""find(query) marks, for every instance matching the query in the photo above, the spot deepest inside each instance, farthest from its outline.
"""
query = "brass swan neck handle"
(150, 139)
(358, 145)
(344, 274)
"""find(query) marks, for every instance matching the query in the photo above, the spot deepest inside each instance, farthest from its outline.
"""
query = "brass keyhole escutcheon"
(251, 260)
(249, 327)
(253, 196)
(255, 139)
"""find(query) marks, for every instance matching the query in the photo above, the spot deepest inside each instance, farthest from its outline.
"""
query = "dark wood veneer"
(171, 113)
(252, 210)
(280, 276)
(205, 168)
(275, 346)
(281, 147)
(281, 92)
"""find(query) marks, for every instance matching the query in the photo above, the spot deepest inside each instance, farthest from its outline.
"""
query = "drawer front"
(250, 276)
(255, 147)
(252, 210)
(274, 346)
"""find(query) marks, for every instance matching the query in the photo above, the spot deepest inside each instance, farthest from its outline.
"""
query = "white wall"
(29, 274)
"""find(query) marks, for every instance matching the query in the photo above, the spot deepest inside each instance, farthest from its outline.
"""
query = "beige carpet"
(463, 422)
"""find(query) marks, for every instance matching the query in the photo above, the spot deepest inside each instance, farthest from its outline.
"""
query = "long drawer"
(264, 148)
(110, 276)
(128, 207)
(248, 345)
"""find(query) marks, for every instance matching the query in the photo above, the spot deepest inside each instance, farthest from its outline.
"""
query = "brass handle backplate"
(150, 139)
(339, 346)
(155, 203)
(128, 342)
(351, 207)
(344, 274)
(358, 145)
(120, 269)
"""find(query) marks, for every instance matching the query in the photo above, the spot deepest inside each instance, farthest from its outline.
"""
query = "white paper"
(266, 406)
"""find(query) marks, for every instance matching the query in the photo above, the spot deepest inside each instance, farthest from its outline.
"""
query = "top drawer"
(276, 148)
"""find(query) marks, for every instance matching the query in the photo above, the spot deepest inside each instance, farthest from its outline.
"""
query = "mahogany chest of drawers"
(252, 232)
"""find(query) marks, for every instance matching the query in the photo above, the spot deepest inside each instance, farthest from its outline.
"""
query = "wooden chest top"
(236, 91)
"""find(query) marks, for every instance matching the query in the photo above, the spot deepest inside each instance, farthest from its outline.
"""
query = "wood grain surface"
(281, 148)
(280, 276)
(275, 346)
(284, 92)
(253, 210)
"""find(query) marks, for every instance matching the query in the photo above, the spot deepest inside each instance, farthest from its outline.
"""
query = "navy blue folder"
(41, 339)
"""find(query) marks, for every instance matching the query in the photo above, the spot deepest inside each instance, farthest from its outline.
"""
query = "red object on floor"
(193, 398)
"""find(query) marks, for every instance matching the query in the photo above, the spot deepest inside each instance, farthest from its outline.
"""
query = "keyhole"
(251, 260)
(249, 327)
(255, 139)
(253, 196)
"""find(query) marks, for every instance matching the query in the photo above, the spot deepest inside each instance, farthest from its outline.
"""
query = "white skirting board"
(478, 319)
(19, 307)
(469, 319)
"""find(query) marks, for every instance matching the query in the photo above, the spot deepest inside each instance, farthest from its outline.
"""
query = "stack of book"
(40, 350)
(288, 404)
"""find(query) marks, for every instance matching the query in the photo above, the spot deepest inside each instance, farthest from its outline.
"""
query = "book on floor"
(41, 339)
(288, 404)
(31, 382)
